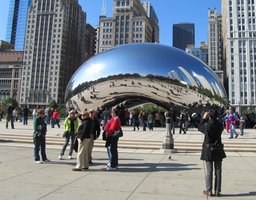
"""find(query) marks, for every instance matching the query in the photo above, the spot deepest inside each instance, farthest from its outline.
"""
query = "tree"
(53, 104)
(9, 101)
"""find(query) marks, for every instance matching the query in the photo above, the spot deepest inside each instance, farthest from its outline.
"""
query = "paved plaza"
(142, 174)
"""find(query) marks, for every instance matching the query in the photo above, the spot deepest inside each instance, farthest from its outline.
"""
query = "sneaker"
(108, 165)
(69, 157)
(38, 162)
(76, 169)
(47, 160)
(111, 168)
(60, 157)
(236, 136)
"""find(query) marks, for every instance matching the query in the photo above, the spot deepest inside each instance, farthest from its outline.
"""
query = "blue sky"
(169, 12)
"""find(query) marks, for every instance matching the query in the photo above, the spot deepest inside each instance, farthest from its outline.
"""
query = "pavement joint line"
(150, 172)
(80, 177)
(24, 173)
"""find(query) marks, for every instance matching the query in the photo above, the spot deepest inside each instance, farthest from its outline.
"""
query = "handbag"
(118, 133)
(104, 137)
(75, 147)
(215, 146)
(65, 134)
(216, 151)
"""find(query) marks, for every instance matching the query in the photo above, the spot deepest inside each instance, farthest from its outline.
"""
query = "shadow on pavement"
(155, 167)
(240, 194)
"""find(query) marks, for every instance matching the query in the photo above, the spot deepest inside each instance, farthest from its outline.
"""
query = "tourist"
(83, 137)
(113, 125)
(25, 115)
(9, 116)
(212, 151)
(70, 130)
(40, 129)
(95, 133)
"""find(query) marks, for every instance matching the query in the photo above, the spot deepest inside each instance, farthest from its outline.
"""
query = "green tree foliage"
(53, 104)
(62, 111)
(150, 107)
(9, 101)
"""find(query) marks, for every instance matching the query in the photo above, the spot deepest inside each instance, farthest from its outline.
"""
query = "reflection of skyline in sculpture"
(175, 75)
(190, 79)
(149, 72)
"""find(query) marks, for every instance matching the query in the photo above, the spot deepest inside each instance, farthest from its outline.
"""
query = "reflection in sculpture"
(138, 73)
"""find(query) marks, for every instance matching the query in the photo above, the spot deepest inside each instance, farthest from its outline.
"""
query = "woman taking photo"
(212, 152)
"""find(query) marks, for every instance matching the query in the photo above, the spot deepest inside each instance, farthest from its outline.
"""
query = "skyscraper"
(54, 48)
(183, 35)
(16, 25)
(239, 42)
(130, 24)
(215, 49)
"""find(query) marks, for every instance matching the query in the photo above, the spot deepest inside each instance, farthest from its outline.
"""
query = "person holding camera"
(212, 151)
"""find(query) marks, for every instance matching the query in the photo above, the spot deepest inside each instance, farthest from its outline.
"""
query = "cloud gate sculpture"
(137, 73)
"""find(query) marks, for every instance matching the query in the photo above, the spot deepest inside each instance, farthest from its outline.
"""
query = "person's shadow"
(155, 167)
(239, 194)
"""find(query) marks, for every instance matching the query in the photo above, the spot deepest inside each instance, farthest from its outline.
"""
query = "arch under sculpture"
(138, 73)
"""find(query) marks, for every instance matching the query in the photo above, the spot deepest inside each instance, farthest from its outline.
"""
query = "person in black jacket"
(25, 115)
(95, 132)
(9, 116)
(84, 138)
(212, 151)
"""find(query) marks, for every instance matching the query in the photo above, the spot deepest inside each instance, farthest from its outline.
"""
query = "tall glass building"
(183, 35)
(16, 26)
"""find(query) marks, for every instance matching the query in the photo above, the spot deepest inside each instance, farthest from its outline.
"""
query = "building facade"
(17, 20)
(130, 24)
(90, 38)
(54, 49)
(153, 19)
(201, 52)
(10, 73)
(183, 35)
(239, 42)
(215, 50)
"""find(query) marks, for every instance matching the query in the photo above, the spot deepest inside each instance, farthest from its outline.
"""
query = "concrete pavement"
(142, 174)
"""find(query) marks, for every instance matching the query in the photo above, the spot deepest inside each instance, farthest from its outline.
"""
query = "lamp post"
(168, 144)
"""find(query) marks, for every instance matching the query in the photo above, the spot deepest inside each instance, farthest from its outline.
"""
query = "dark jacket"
(84, 129)
(212, 129)
(95, 128)
(40, 126)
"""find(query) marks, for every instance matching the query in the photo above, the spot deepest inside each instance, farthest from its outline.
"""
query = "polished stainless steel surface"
(144, 73)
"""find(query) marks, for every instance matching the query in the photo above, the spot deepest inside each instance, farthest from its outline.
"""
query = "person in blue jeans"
(40, 129)
(113, 125)
(25, 115)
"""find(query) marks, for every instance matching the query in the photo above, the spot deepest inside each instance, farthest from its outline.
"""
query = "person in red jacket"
(56, 118)
(113, 125)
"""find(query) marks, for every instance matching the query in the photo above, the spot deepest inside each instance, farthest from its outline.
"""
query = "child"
(40, 129)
